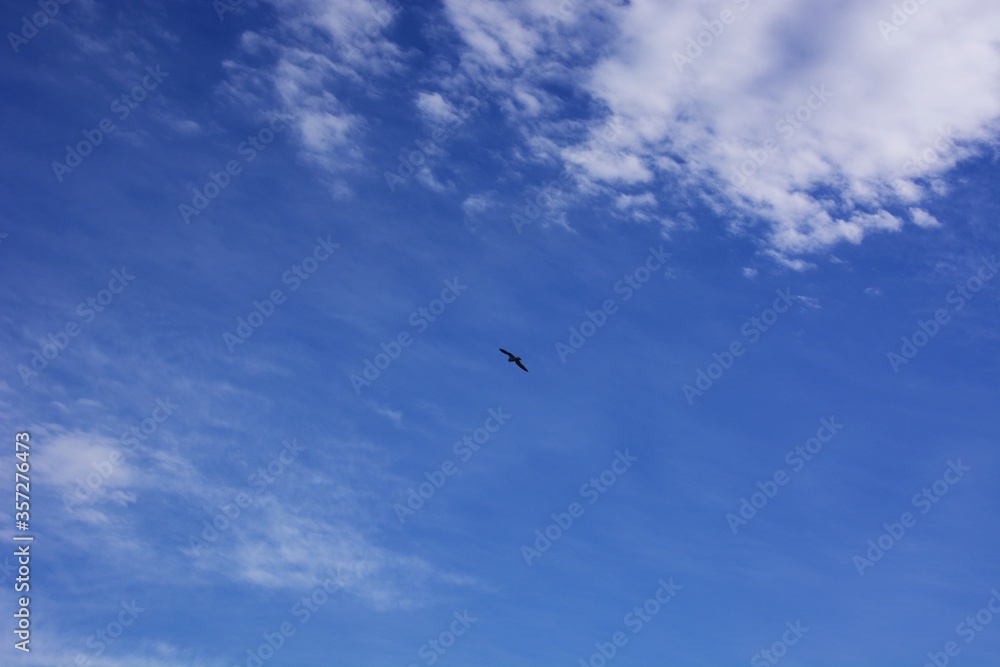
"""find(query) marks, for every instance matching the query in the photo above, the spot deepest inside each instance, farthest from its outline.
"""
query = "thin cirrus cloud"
(315, 49)
(317, 536)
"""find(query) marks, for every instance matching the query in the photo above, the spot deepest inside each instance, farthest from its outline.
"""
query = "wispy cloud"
(318, 52)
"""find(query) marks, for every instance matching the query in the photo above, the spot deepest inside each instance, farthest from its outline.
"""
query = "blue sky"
(746, 250)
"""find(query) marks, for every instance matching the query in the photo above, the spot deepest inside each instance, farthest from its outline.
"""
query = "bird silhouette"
(516, 360)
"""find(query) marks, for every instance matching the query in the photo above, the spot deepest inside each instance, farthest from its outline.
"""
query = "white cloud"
(845, 111)
(304, 522)
(614, 166)
(186, 126)
(924, 219)
(496, 31)
(280, 548)
(625, 202)
(808, 125)
(810, 301)
(435, 108)
(802, 119)
(340, 190)
(89, 469)
(793, 263)
(323, 131)
(293, 540)
(477, 204)
(356, 31)
(317, 47)
(426, 177)
(395, 416)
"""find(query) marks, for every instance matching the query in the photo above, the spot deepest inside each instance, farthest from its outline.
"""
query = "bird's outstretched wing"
(507, 353)
(518, 362)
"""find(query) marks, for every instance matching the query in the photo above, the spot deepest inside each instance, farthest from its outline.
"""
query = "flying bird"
(516, 360)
